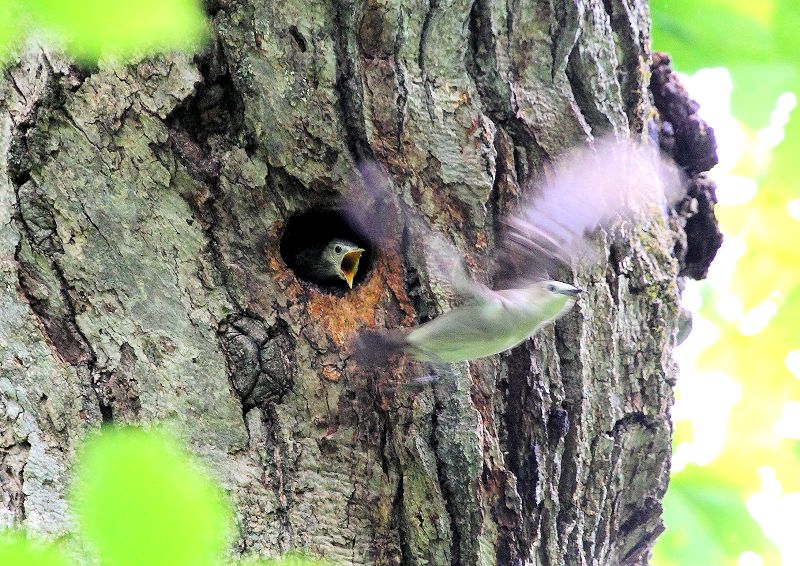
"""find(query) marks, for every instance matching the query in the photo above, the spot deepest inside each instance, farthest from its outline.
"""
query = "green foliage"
(707, 521)
(139, 500)
(756, 40)
(90, 29)
(10, 22)
(16, 549)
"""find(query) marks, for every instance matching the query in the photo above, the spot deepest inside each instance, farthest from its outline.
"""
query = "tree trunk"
(143, 212)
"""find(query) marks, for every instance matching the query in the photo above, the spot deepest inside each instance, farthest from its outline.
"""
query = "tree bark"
(141, 215)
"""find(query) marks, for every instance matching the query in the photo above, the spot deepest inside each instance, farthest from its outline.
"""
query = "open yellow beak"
(349, 265)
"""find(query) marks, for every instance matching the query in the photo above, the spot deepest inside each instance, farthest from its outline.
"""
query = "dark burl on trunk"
(141, 215)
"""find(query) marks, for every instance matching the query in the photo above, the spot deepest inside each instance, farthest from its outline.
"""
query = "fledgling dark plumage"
(335, 261)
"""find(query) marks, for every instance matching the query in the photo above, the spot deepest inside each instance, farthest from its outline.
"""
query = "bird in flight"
(589, 188)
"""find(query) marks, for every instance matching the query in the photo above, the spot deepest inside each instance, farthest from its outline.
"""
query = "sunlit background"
(734, 496)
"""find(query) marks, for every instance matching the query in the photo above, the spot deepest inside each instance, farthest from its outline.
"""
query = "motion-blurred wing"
(380, 214)
(590, 187)
(370, 204)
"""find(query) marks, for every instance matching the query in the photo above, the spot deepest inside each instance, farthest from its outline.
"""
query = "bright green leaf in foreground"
(119, 28)
(756, 40)
(140, 501)
(10, 27)
(92, 27)
(706, 522)
(18, 550)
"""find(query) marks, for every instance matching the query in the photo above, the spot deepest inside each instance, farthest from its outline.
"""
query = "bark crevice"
(348, 86)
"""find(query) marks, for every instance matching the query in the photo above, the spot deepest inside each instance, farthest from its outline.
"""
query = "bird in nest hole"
(333, 262)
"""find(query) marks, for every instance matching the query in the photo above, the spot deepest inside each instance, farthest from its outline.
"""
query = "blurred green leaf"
(91, 28)
(706, 522)
(122, 29)
(17, 550)
(757, 41)
(712, 32)
(10, 27)
(141, 501)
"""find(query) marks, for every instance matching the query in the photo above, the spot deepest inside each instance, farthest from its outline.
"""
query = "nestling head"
(345, 256)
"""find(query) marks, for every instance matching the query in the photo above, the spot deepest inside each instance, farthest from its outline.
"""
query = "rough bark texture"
(141, 213)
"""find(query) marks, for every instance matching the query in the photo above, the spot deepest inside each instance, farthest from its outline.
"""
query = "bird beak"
(573, 292)
(349, 265)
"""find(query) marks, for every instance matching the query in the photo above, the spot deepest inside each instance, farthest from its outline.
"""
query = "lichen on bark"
(141, 212)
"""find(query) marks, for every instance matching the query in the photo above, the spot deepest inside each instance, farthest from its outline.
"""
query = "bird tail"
(375, 346)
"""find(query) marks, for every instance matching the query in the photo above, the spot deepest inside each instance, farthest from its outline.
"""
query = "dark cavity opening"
(298, 38)
(312, 231)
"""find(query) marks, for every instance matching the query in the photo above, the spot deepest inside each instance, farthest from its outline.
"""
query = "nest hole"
(313, 230)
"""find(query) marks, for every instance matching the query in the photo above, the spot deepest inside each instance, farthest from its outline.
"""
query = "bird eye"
(338, 249)
(551, 288)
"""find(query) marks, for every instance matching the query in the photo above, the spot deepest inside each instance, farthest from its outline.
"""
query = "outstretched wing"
(379, 213)
(589, 187)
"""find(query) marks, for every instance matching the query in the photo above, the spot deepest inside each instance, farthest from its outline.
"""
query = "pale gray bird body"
(499, 321)
(590, 188)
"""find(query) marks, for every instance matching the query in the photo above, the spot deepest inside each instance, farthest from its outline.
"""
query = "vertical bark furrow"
(630, 22)
(13, 457)
(592, 73)
(348, 83)
(489, 69)
(459, 462)
(44, 400)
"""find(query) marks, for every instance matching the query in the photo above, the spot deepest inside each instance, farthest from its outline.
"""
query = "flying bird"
(588, 188)
(498, 321)
(335, 261)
